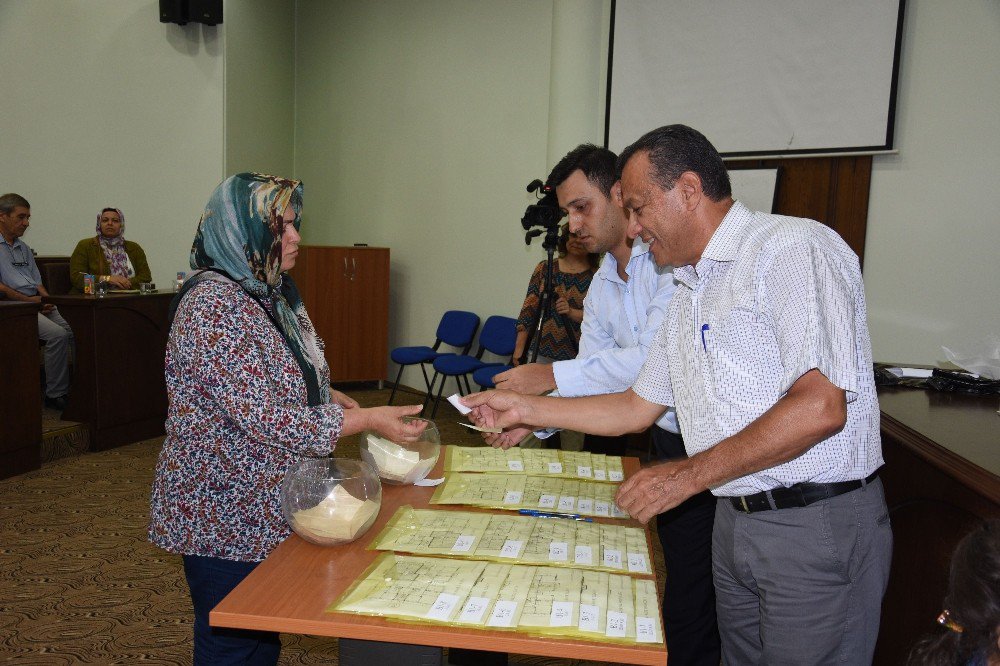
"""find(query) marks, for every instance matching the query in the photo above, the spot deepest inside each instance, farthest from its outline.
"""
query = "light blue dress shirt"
(620, 320)
(25, 277)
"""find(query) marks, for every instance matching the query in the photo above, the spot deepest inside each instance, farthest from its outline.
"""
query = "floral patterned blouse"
(238, 417)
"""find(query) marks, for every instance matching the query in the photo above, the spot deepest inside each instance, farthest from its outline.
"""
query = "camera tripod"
(546, 299)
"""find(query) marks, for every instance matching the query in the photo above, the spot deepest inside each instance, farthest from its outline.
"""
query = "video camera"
(545, 214)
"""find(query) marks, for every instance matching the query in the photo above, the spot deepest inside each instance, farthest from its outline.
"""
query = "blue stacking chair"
(498, 337)
(457, 329)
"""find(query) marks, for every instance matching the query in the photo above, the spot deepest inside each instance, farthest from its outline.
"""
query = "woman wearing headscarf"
(249, 394)
(108, 256)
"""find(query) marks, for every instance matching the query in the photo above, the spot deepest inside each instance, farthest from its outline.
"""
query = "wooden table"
(942, 478)
(21, 402)
(291, 589)
(118, 386)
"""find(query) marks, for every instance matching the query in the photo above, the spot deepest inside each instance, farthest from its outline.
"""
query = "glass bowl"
(401, 464)
(330, 501)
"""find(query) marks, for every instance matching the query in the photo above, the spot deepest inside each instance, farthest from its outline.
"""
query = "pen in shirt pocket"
(704, 345)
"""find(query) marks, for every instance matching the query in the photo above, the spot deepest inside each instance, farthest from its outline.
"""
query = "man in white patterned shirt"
(765, 353)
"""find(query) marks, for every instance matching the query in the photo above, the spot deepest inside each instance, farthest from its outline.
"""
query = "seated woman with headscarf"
(108, 256)
(249, 395)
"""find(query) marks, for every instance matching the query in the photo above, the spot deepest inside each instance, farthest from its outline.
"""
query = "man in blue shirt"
(21, 281)
(623, 311)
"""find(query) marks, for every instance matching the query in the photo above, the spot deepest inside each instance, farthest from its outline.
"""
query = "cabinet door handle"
(354, 268)
(346, 275)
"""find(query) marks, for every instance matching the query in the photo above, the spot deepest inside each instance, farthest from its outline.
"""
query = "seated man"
(21, 281)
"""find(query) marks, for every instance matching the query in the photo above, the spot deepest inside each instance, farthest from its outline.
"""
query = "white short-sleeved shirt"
(620, 320)
(771, 298)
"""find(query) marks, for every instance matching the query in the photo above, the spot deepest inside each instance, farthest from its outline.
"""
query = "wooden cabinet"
(346, 291)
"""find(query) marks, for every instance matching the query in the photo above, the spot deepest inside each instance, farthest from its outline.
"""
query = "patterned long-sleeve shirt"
(555, 343)
(238, 418)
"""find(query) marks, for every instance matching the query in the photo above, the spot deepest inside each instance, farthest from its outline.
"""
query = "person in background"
(970, 622)
(560, 332)
(249, 394)
(108, 256)
(21, 281)
(574, 269)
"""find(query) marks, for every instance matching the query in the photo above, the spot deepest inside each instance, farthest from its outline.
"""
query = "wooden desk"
(118, 385)
(941, 477)
(289, 591)
(21, 404)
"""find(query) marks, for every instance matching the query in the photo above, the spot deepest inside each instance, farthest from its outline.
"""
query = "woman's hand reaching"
(387, 421)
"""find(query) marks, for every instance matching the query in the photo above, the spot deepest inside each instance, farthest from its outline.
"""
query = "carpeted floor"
(79, 583)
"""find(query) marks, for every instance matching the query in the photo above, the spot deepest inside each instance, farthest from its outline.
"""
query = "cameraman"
(622, 313)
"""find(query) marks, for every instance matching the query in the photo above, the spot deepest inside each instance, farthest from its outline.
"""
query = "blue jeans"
(210, 579)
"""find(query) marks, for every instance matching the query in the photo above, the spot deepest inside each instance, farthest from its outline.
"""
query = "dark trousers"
(689, 617)
(612, 446)
(210, 579)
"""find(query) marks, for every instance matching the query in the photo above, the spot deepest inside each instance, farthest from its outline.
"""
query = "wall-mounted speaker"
(182, 12)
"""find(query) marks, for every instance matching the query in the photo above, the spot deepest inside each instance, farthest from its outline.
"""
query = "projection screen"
(757, 77)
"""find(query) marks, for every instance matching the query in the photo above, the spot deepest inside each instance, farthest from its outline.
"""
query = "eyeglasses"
(13, 260)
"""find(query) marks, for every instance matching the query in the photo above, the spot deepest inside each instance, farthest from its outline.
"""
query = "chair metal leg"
(468, 386)
(430, 393)
(426, 383)
(444, 378)
(396, 384)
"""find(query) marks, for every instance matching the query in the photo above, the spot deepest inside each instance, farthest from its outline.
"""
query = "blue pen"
(704, 327)
(547, 514)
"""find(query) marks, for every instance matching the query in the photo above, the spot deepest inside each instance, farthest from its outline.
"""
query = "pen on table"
(704, 327)
(548, 514)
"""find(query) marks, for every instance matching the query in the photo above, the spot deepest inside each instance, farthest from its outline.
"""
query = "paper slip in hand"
(453, 399)
(480, 428)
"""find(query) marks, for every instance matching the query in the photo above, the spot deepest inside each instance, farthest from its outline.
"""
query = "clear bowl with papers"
(329, 501)
(405, 463)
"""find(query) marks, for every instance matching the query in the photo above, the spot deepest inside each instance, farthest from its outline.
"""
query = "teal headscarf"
(239, 236)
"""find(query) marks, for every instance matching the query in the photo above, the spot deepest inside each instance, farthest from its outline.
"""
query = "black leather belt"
(801, 494)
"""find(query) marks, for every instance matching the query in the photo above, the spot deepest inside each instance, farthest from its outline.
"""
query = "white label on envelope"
(567, 503)
(645, 630)
(600, 474)
(512, 497)
(585, 505)
(613, 558)
(463, 543)
(503, 614)
(442, 608)
(602, 508)
(615, 475)
(555, 468)
(511, 548)
(583, 555)
(637, 563)
(515, 465)
(583, 470)
(558, 551)
(474, 609)
(547, 501)
(562, 614)
(617, 624)
(588, 618)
